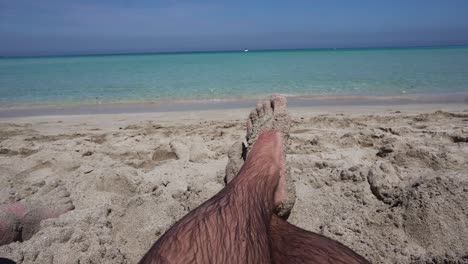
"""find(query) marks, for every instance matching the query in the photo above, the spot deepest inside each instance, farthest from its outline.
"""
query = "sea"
(234, 75)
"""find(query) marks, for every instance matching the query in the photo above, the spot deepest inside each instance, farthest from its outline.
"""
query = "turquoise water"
(229, 75)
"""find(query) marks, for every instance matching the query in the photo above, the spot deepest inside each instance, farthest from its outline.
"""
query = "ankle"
(269, 144)
(260, 176)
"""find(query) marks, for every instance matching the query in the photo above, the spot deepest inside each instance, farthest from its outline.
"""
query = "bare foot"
(19, 221)
(269, 115)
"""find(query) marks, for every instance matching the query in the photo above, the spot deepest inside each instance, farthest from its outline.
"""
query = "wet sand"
(77, 108)
(389, 181)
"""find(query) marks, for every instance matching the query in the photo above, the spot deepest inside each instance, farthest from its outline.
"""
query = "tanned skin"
(290, 244)
(238, 224)
(233, 226)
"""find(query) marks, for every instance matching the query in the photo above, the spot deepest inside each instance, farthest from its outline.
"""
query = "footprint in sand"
(435, 213)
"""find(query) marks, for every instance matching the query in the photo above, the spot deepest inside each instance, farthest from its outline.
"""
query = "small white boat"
(246, 50)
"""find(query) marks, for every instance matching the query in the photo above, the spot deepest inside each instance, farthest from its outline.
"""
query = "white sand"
(391, 185)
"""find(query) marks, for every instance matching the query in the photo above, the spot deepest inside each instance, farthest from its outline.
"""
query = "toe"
(249, 126)
(63, 193)
(66, 201)
(279, 103)
(253, 116)
(69, 207)
(267, 107)
(259, 109)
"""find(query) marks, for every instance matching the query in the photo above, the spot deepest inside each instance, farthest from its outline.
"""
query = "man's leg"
(233, 226)
(291, 244)
(237, 225)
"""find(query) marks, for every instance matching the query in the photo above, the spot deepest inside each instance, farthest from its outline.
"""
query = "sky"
(59, 27)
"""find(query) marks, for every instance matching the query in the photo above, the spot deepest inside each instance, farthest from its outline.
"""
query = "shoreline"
(460, 99)
(106, 120)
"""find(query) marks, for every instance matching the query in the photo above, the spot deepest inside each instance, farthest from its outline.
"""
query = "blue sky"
(44, 27)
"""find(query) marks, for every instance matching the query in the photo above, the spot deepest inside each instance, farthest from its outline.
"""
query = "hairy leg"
(291, 244)
(270, 114)
(233, 226)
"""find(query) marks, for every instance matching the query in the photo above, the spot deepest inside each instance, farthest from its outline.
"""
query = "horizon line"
(223, 51)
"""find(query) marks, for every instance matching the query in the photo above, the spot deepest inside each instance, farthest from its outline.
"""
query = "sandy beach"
(389, 181)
